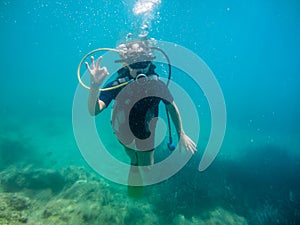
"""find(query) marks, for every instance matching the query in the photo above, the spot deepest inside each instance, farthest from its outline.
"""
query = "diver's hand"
(187, 143)
(97, 73)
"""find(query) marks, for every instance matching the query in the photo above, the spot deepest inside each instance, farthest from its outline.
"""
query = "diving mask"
(139, 65)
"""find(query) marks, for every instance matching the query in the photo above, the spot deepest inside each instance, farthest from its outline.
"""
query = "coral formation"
(16, 180)
(213, 217)
(74, 195)
(67, 196)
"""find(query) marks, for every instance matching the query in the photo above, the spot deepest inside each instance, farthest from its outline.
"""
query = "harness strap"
(124, 80)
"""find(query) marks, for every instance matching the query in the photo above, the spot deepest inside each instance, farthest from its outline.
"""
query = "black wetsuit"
(145, 98)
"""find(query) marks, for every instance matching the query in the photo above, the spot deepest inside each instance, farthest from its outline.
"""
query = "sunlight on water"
(145, 6)
(146, 10)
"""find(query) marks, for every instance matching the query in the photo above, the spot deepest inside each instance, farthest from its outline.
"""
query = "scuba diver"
(137, 92)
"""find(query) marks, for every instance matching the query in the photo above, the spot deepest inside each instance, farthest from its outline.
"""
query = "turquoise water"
(253, 50)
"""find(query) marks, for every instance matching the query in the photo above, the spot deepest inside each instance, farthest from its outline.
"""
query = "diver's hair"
(135, 51)
(133, 47)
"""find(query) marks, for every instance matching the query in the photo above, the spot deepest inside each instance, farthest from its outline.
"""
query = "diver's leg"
(145, 158)
(135, 182)
(132, 155)
(140, 158)
(145, 154)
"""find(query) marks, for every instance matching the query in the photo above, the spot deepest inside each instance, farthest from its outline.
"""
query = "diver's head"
(136, 54)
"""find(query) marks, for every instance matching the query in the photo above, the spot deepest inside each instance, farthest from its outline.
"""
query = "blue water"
(253, 50)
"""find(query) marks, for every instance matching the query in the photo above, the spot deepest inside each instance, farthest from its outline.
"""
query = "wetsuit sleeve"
(108, 96)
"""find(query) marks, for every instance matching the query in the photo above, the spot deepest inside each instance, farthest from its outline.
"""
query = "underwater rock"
(140, 213)
(14, 208)
(61, 211)
(222, 216)
(87, 191)
(18, 202)
(73, 174)
(14, 179)
(181, 220)
(76, 196)
(214, 217)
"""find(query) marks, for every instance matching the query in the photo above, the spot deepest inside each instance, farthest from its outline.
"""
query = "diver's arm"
(97, 75)
(95, 105)
(185, 141)
(174, 112)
